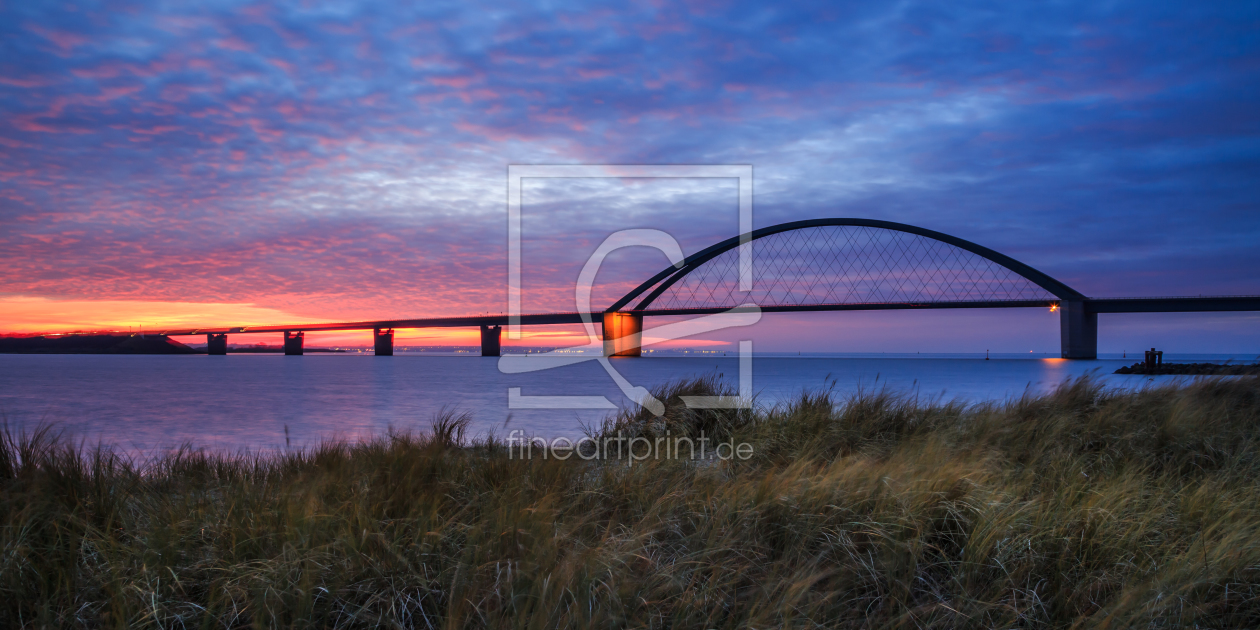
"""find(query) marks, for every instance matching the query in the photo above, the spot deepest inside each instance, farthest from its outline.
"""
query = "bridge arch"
(869, 261)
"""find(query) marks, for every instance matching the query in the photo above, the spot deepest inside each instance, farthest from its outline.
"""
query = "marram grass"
(1085, 507)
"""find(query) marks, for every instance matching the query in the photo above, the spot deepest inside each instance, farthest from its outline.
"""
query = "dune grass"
(1085, 507)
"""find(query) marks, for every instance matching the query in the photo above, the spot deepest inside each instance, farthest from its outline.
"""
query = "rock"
(1192, 369)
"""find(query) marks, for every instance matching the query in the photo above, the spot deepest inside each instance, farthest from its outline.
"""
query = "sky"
(167, 164)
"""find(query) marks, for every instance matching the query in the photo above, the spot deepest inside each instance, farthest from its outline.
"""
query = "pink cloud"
(65, 41)
(587, 73)
(235, 43)
(455, 82)
(287, 67)
(32, 82)
(156, 130)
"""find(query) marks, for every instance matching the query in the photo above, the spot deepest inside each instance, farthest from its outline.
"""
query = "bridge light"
(1054, 307)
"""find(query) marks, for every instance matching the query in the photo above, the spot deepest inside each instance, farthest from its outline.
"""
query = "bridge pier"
(216, 344)
(491, 339)
(623, 334)
(384, 342)
(1078, 330)
(293, 343)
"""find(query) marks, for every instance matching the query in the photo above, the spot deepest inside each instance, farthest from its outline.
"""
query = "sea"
(147, 404)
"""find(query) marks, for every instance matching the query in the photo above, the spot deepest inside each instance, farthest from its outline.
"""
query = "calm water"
(245, 401)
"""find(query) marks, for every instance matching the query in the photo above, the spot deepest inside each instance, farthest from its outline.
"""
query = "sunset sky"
(191, 164)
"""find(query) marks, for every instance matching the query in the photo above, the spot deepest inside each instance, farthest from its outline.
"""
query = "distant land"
(118, 344)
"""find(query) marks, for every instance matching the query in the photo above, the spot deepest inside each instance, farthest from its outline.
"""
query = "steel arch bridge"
(848, 264)
(828, 264)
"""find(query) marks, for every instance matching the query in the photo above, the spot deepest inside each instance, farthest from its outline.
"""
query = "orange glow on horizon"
(25, 315)
(20, 314)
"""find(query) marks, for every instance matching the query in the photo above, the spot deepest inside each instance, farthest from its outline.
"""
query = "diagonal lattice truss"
(848, 265)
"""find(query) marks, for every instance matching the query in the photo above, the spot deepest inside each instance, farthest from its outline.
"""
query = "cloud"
(348, 161)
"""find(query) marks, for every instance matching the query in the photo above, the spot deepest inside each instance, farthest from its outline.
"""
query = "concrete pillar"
(623, 335)
(491, 337)
(1078, 331)
(216, 344)
(384, 342)
(293, 343)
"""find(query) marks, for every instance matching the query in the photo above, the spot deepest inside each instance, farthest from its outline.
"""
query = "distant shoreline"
(121, 344)
(274, 350)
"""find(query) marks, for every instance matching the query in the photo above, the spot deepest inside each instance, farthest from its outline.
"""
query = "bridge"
(815, 265)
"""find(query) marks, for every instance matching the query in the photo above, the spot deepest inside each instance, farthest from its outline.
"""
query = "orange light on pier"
(1054, 307)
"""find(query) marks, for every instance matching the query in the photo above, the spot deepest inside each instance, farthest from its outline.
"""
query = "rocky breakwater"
(1191, 369)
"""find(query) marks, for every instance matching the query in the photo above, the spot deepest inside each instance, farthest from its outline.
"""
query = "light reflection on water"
(240, 402)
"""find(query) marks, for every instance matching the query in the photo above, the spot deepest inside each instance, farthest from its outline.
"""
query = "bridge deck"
(1095, 305)
(1196, 304)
